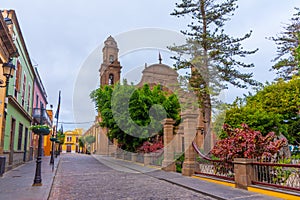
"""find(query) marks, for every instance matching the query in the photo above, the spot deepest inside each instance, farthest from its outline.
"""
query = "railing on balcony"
(285, 176)
(36, 114)
(214, 168)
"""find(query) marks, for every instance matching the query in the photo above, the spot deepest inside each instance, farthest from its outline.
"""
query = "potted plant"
(53, 139)
(40, 129)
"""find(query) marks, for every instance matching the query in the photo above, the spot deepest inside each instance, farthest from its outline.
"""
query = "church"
(110, 73)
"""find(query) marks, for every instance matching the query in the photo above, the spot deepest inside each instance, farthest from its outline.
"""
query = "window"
(28, 98)
(20, 136)
(111, 58)
(37, 101)
(18, 76)
(24, 90)
(69, 139)
(111, 79)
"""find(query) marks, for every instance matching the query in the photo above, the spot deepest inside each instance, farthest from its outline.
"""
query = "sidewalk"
(17, 183)
(209, 189)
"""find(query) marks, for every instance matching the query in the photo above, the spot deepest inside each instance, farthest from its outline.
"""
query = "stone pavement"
(83, 177)
(80, 176)
(99, 177)
(215, 191)
(16, 184)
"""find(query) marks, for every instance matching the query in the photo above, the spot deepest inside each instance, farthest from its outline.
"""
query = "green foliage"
(90, 139)
(39, 127)
(60, 137)
(287, 60)
(133, 115)
(215, 58)
(273, 108)
(179, 163)
(81, 142)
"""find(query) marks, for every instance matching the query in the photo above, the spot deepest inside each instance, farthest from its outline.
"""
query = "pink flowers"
(149, 147)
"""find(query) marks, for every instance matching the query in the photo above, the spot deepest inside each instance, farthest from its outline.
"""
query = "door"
(12, 141)
(69, 148)
(25, 144)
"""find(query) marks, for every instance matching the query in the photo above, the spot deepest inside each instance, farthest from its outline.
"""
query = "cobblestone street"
(83, 177)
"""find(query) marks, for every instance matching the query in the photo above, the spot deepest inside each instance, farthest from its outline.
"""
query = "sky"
(65, 38)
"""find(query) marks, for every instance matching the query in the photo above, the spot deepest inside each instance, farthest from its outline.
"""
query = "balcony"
(36, 114)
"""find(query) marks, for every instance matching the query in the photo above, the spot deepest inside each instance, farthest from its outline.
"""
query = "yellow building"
(47, 142)
(71, 144)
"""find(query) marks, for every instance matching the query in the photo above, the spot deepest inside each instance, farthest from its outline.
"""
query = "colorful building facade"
(7, 51)
(71, 144)
(19, 104)
(39, 112)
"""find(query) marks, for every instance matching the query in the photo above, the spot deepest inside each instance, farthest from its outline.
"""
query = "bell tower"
(110, 69)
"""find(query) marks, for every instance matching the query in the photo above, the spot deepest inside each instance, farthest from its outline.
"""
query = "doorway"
(12, 141)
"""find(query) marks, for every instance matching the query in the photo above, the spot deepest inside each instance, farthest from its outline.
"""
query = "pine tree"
(287, 62)
(212, 54)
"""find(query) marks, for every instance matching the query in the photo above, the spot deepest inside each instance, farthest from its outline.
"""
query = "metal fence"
(215, 168)
(285, 176)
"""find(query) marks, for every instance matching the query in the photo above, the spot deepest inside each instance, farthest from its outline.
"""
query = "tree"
(133, 115)
(61, 139)
(89, 139)
(247, 143)
(212, 54)
(298, 54)
(81, 142)
(275, 107)
(287, 62)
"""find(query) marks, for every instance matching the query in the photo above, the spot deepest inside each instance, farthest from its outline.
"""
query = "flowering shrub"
(149, 147)
(247, 143)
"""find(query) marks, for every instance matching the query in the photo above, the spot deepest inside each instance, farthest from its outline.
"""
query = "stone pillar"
(200, 130)
(134, 157)
(190, 129)
(243, 172)
(147, 159)
(103, 143)
(168, 163)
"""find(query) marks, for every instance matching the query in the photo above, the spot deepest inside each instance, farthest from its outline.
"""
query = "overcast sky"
(63, 36)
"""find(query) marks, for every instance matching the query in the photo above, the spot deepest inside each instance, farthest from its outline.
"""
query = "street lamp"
(38, 176)
(8, 72)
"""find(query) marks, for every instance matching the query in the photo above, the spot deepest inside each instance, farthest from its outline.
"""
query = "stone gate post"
(190, 130)
(243, 172)
(168, 163)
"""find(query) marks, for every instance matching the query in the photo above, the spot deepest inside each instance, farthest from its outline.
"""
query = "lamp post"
(38, 177)
(8, 72)
(52, 150)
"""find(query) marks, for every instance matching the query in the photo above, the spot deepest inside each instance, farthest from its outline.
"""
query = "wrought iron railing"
(37, 113)
(285, 176)
(214, 168)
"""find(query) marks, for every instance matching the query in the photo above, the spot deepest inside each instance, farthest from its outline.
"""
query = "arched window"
(110, 79)
(111, 58)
